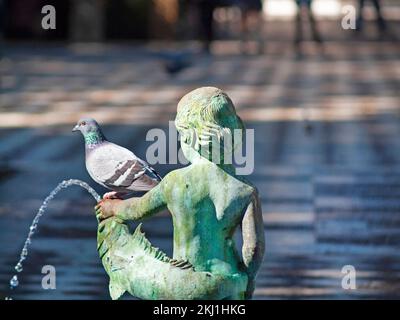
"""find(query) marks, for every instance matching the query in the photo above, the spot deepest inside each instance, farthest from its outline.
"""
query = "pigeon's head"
(90, 129)
(86, 125)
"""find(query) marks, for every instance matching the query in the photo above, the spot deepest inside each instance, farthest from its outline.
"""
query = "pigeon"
(174, 62)
(113, 166)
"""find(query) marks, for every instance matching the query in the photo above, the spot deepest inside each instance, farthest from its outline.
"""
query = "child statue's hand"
(106, 209)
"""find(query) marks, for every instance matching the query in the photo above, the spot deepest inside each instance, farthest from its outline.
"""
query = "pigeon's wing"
(143, 180)
(135, 175)
(117, 168)
(149, 170)
(108, 162)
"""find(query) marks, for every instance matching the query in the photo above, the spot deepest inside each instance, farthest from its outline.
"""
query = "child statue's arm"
(133, 208)
(253, 241)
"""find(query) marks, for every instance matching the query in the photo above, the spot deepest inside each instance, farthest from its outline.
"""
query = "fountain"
(24, 252)
(208, 202)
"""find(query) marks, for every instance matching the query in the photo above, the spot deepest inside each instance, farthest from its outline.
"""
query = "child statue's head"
(208, 125)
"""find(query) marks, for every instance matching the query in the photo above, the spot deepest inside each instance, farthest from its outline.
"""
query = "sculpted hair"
(206, 118)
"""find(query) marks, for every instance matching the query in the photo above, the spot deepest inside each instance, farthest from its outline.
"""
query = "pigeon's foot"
(113, 195)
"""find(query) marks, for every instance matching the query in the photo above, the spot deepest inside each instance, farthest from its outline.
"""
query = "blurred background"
(324, 102)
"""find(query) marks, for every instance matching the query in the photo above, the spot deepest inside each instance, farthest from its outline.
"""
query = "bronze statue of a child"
(207, 201)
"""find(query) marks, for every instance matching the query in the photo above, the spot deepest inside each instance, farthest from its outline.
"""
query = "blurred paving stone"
(330, 195)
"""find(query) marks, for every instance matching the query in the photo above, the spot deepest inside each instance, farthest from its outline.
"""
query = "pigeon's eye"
(83, 123)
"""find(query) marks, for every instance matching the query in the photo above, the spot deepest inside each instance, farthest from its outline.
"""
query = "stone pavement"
(330, 193)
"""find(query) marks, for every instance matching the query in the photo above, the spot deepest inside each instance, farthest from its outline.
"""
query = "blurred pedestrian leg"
(252, 23)
(2, 18)
(206, 10)
(304, 8)
(379, 18)
(2, 26)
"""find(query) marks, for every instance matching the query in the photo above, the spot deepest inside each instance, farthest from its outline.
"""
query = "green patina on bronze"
(207, 202)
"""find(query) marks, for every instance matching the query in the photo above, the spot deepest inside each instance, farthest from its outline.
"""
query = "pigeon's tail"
(158, 176)
(154, 172)
(146, 272)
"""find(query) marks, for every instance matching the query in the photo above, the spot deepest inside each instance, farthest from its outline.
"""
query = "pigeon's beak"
(76, 128)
